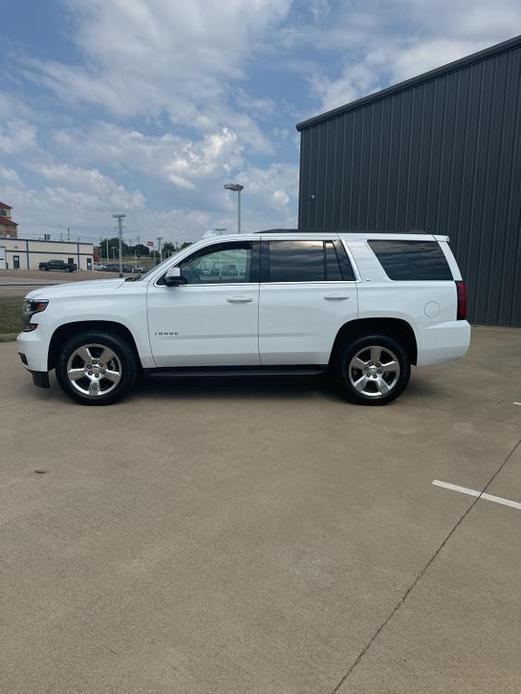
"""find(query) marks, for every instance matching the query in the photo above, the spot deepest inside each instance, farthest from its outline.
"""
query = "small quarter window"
(412, 260)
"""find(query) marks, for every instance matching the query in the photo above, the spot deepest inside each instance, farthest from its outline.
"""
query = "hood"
(77, 288)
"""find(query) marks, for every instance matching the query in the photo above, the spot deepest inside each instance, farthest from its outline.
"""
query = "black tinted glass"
(412, 260)
(296, 261)
(333, 272)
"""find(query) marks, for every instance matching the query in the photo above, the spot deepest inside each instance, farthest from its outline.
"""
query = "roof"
(278, 231)
(2, 204)
(498, 48)
(7, 221)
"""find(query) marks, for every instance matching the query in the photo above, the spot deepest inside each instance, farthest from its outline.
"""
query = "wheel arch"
(397, 328)
(67, 330)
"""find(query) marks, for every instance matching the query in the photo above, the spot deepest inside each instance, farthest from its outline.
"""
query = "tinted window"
(296, 261)
(220, 264)
(333, 272)
(306, 261)
(412, 260)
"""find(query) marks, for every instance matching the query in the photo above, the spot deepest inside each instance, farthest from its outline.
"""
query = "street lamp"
(236, 188)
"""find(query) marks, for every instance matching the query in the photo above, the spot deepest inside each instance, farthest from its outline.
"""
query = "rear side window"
(306, 261)
(412, 260)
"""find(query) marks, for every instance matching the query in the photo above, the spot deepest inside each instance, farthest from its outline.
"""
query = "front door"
(16, 262)
(212, 319)
(308, 291)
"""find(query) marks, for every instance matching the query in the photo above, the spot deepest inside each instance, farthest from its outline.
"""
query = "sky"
(148, 107)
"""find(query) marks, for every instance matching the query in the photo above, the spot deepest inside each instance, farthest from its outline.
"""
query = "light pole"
(236, 188)
(120, 217)
(159, 239)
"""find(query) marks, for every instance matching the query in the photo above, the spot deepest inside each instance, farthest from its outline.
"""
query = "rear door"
(308, 291)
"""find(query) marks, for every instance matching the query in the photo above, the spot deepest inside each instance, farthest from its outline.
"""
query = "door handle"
(336, 297)
(239, 299)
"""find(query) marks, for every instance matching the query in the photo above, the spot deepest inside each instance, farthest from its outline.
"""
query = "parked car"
(57, 265)
(100, 267)
(364, 307)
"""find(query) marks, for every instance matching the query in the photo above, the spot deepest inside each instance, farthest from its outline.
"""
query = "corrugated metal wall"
(442, 155)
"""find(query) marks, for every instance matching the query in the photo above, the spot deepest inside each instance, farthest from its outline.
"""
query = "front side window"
(220, 264)
(412, 260)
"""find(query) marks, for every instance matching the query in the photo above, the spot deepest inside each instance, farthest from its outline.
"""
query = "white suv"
(362, 306)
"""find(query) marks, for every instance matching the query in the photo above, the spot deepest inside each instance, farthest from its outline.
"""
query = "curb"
(7, 337)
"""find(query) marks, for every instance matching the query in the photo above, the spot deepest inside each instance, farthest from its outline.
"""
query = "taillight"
(462, 300)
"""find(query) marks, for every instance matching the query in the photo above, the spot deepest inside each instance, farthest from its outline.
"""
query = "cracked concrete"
(256, 536)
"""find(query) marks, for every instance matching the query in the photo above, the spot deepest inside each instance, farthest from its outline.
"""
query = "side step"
(234, 371)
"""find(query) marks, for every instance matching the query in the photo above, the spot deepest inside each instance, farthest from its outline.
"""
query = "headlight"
(30, 307)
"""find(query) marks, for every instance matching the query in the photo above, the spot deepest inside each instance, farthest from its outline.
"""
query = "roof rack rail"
(342, 231)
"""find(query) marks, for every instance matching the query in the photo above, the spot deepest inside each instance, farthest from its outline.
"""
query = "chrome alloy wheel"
(374, 371)
(94, 370)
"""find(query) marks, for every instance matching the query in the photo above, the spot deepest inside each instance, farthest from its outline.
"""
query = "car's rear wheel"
(373, 369)
(96, 368)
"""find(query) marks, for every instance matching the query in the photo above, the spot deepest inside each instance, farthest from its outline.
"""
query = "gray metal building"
(440, 152)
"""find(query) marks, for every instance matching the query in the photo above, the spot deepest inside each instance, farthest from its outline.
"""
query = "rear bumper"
(443, 342)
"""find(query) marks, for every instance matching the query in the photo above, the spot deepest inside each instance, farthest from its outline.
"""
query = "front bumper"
(34, 349)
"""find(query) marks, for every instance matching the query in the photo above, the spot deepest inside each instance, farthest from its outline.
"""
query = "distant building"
(8, 228)
(27, 254)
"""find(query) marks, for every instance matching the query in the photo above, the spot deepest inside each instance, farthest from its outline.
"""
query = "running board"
(220, 371)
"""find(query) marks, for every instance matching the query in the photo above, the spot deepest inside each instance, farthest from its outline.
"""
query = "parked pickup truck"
(364, 307)
(57, 265)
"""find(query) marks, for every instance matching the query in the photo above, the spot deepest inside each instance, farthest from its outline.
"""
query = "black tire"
(381, 381)
(123, 364)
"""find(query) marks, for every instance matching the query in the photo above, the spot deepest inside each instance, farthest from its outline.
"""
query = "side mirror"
(173, 277)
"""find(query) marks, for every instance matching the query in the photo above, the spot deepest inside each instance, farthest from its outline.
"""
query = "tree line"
(138, 250)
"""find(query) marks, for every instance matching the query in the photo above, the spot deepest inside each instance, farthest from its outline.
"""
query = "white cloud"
(386, 43)
(85, 199)
(90, 186)
(167, 157)
(183, 112)
(10, 176)
(144, 57)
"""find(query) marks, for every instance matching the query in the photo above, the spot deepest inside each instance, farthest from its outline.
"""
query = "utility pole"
(159, 239)
(120, 218)
(68, 234)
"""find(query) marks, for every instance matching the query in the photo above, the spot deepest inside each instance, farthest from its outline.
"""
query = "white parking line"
(517, 403)
(475, 492)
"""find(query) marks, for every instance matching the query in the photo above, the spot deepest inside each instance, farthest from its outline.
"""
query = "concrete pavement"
(263, 536)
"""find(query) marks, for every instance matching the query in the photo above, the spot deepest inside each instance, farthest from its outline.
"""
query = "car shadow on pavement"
(240, 387)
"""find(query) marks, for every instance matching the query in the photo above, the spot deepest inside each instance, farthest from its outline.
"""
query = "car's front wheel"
(96, 368)
(373, 369)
